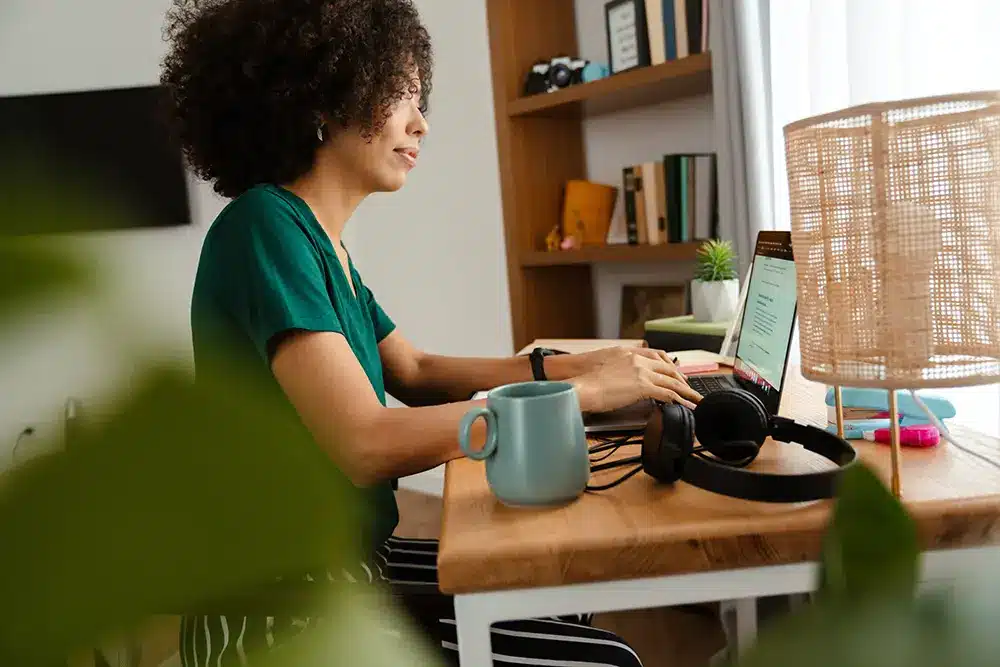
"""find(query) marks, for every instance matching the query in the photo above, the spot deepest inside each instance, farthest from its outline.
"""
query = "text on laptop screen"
(768, 319)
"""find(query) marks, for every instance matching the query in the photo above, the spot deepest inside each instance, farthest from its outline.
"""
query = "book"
(671, 200)
(676, 28)
(628, 189)
(579, 345)
(687, 324)
(587, 209)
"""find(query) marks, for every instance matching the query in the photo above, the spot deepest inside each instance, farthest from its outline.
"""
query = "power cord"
(615, 464)
(611, 445)
(597, 467)
(606, 448)
(27, 432)
(943, 430)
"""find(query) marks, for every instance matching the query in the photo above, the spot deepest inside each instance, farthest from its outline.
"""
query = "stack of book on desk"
(684, 333)
(867, 409)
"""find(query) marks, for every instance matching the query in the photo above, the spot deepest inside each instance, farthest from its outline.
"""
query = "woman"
(298, 111)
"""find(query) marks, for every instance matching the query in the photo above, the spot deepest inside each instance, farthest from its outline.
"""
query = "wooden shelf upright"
(541, 146)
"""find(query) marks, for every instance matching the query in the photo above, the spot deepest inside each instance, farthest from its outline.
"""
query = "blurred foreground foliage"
(187, 497)
(192, 494)
(868, 610)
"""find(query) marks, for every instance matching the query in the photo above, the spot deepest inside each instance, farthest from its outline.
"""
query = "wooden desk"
(642, 528)
(641, 535)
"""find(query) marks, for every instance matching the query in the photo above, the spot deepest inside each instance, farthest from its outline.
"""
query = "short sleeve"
(276, 282)
(380, 320)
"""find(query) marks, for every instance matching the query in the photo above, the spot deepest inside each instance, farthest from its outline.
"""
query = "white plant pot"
(715, 301)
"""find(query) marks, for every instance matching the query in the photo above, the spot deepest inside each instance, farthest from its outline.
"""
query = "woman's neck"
(329, 194)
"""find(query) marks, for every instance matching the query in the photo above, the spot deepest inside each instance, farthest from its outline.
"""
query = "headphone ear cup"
(726, 420)
(736, 452)
(667, 441)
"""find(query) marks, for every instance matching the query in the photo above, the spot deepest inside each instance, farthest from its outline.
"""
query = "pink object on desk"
(700, 367)
(917, 435)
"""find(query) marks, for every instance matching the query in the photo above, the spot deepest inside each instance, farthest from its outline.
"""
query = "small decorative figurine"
(576, 238)
(553, 239)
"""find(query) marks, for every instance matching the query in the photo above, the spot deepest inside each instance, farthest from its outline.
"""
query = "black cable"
(27, 432)
(616, 482)
(611, 450)
(610, 447)
(615, 464)
(616, 441)
(697, 451)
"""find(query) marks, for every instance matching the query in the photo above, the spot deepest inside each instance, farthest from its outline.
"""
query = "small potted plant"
(715, 290)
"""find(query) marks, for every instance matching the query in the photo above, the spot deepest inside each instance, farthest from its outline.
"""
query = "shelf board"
(613, 253)
(634, 88)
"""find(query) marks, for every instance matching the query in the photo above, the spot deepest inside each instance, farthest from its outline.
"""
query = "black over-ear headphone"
(730, 426)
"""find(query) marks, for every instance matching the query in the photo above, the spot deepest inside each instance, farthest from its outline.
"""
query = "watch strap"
(537, 358)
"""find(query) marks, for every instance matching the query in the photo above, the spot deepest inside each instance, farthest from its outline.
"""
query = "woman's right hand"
(630, 377)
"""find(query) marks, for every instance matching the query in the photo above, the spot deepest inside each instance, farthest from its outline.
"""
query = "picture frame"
(627, 36)
(643, 302)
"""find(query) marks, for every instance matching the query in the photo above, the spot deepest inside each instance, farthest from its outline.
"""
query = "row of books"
(672, 200)
(676, 28)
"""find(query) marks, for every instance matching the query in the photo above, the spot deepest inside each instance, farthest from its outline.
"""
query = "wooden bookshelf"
(663, 252)
(627, 90)
(540, 144)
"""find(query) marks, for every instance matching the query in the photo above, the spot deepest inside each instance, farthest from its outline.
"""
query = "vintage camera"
(558, 72)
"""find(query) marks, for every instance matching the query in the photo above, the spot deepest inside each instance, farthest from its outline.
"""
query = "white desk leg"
(746, 623)
(473, 630)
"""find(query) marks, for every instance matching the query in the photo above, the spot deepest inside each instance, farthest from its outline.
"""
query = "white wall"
(630, 137)
(433, 252)
(471, 271)
(60, 45)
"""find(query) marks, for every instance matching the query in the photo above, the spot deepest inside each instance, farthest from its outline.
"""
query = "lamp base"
(894, 443)
(838, 399)
(895, 480)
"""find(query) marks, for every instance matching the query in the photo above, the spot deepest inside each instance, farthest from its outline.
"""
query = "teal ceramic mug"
(536, 446)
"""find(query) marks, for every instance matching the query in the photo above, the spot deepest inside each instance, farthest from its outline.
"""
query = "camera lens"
(560, 76)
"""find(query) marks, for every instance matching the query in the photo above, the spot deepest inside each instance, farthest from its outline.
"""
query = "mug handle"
(491, 433)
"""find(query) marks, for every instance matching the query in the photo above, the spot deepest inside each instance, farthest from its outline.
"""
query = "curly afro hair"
(247, 79)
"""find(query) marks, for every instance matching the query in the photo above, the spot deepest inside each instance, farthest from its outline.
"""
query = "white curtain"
(830, 54)
(742, 111)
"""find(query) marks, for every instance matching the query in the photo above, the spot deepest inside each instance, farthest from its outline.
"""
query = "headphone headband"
(776, 487)
(710, 447)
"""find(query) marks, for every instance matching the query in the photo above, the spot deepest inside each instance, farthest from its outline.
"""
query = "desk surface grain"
(641, 528)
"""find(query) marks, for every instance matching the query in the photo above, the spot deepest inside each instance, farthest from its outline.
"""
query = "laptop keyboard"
(707, 385)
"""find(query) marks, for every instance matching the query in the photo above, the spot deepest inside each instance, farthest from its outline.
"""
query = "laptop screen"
(768, 319)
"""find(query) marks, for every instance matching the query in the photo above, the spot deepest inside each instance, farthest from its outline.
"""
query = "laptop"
(763, 338)
(761, 333)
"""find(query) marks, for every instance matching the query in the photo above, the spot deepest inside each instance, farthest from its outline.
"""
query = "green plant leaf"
(714, 261)
(188, 494)
(43, 198)
(871, 547)
(882, 635)
(33, 273)
(361, 629)
(950, 627)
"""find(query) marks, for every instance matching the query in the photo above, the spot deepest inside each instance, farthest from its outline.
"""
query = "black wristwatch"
(537, 357)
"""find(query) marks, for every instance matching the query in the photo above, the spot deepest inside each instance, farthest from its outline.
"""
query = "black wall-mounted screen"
(111, 147)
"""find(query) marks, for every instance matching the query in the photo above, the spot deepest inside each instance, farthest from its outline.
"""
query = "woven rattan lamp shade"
(895, 219)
